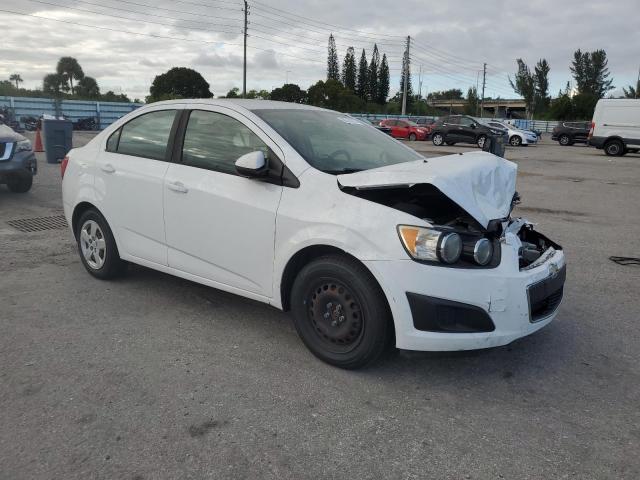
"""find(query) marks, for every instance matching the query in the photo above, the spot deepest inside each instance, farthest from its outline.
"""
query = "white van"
(616, 126)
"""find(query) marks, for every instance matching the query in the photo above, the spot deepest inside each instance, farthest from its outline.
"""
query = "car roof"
(239, 102)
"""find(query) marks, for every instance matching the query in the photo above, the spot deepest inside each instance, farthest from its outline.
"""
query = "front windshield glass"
(334, 142)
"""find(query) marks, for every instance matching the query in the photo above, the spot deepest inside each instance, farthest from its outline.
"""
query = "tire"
(97, 247)
(515, 141)
(480, 141)
(614, 148)
(20, 183)
(340, 312)
(437, 139)
(565, 140)
(413, 137)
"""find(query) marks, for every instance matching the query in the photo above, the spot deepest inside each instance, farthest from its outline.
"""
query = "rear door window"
(147, 135)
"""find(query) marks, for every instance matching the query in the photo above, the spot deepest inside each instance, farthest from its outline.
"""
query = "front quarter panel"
(319, 213)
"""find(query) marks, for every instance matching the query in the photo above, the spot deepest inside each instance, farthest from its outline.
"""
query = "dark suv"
(460, 129)
(568, 133)
(18, 163)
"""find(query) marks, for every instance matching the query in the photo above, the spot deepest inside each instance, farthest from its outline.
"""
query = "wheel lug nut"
(326, 316)
(341, 319)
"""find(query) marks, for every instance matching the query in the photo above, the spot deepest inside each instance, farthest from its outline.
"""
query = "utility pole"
(244, 69)
(484, 84)
(477, 85)
(420, 88)
(638, 85)
(406, 76)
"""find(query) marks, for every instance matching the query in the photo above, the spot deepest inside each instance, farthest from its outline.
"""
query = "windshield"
(334, 142)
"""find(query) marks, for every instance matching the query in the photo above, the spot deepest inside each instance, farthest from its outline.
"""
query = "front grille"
(545, 296)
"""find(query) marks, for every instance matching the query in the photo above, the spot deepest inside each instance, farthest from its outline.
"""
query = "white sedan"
(517, 136)
(367, 242)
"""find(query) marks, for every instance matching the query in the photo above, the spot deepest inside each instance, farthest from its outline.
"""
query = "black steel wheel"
(340, 312)
(614, 148)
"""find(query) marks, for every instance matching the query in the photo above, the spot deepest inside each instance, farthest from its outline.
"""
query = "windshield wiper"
(343, 171)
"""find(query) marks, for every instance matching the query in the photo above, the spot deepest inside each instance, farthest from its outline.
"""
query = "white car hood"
(480, 183)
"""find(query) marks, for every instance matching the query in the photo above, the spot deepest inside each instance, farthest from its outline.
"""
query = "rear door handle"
(108, 168)
(177, 187)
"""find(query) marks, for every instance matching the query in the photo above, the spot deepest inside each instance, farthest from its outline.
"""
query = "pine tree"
(383, 81)
(372, 75)
(349, 69)
(406, 69)
(524, 84)
(591, 72)
(333, 70)
(361, 83)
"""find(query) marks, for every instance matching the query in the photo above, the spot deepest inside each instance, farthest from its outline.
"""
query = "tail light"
(63, 166)
(592, 129)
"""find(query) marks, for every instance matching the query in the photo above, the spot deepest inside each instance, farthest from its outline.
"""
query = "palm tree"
(70, 69)
(16, 78)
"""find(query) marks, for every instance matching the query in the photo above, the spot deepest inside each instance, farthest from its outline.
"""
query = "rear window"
(147, 135)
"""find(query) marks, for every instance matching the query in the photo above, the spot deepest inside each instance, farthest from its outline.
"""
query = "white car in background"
(517, 136)
(367, 242)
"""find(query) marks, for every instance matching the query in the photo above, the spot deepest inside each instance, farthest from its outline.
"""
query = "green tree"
(524, 84)
(451, 94)
(632, 92)
(541, 75)
(110, 96)
(361, 82)
(233, 93)
(349, 69)
(88, 87)
(15, 77)
(372, 74)
(473, 102)
(332, 94)
(333, 70)
(179, 82)
(52, 85)
(384, 81)
(289, 92)
(258, 95)
(591, 73)
(69, 69)
(406, 71)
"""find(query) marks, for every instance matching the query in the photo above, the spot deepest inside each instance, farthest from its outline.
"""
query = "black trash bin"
(496, 144)
(57, 138)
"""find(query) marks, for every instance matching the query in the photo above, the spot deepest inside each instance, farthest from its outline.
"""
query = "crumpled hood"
(480, 183)
(7, 135)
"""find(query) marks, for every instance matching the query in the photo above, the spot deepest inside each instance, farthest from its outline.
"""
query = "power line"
(146, 5)
(263, 6)
(168, 37)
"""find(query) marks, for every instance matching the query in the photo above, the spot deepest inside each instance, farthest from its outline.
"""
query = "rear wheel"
(413, 137)
(515, 141)
(481, 141)
(614, 148)
(340, 312)
(437, 139)
(20, 183)
(97, 247)
(565, 140)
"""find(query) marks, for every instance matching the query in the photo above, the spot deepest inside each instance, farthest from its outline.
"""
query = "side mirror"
(474, 125)
(252, 164)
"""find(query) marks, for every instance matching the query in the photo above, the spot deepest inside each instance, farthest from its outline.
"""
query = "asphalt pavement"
(154, 377)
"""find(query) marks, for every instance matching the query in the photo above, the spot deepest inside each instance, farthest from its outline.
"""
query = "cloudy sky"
(288, 38)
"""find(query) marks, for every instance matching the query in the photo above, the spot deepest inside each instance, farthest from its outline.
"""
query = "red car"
(405, 129)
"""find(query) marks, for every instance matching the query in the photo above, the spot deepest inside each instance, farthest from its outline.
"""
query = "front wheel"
(437, 139)
(97, 247)
(20, 183)
(413, 137)
(481, 141)
(515, 141)
(340, 312)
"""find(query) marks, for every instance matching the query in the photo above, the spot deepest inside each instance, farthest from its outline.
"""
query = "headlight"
(23, 146)
(481, 251)
(431, 245)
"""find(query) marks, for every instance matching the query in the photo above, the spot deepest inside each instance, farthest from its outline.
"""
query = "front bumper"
(501, 293)
(19, 163)
(529, 140)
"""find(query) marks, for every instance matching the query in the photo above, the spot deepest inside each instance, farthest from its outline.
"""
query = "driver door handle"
(107, 168)
(177, 187)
